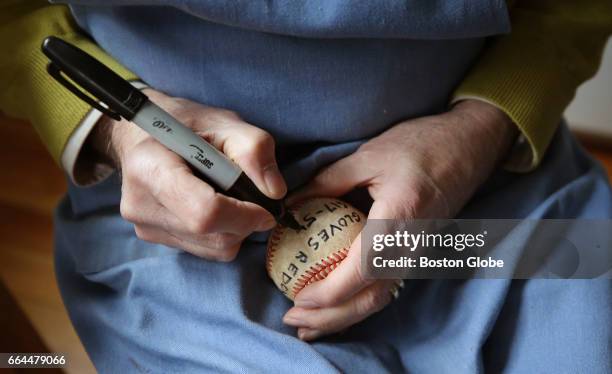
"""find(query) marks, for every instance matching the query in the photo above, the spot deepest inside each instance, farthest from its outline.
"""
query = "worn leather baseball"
(296, 258)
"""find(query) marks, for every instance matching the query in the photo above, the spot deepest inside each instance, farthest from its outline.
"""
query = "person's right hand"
(168, 204)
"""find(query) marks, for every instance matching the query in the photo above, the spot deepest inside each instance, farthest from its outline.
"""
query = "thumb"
(340, 284)
(337, 179)
(250, 147)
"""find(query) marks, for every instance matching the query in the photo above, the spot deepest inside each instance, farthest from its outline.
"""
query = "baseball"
(296, 258)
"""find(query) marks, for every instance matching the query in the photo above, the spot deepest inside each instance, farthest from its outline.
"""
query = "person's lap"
(147, 307)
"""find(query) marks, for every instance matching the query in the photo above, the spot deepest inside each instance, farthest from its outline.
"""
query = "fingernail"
(274, 180)
(293, 318)
(267, 224)
(305, 303)
(293, 321)
(308, 334)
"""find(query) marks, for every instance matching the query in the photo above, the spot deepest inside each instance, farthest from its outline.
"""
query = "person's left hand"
(422, 168)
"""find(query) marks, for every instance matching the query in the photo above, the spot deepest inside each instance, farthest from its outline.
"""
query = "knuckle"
(129, 165)
(127, 210)
(138, 169)
(367, 151)
(327, 299)
(204, 216)
(227, 255)
(224, 248)
(142, 234)
(229, 114)
(324, 324)
(155, 180)
(183, 109)
(414, 203)
(261, 141)
(218, 116)
(200, 225)
(222, 242)
(190, 121)
(366, 147)
(135, 159)
(371, 302)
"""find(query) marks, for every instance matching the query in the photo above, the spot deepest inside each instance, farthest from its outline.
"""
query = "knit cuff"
(524, 76)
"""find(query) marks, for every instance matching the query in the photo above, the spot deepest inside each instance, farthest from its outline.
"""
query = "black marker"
(123, 100)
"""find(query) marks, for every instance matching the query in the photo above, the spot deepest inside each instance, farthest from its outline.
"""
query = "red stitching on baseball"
(320, 270)
(275, 237)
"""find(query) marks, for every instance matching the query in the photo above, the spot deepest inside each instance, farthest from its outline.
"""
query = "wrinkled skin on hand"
(168, 204)
(427, 167)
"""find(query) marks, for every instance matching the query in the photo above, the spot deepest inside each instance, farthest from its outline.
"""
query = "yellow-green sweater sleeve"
(28, 92)
(533, 72)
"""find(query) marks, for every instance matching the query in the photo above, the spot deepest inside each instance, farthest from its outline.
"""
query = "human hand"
(168, 204)
(422, 168)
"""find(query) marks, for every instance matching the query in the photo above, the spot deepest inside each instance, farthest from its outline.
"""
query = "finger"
(203, 211)
(252, 148)
(337, 179)
(141, 208)
(401, 201)
(340, 285)
(155, 223)
(313, 323)
(164, 224)
(198, 206)
(215, 247)
(384, 209)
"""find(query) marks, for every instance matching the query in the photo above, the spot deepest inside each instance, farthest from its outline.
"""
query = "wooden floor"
(30, 185)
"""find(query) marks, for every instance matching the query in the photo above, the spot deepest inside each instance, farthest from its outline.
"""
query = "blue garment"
(317, 97)
(322, 77)
(144, 307)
